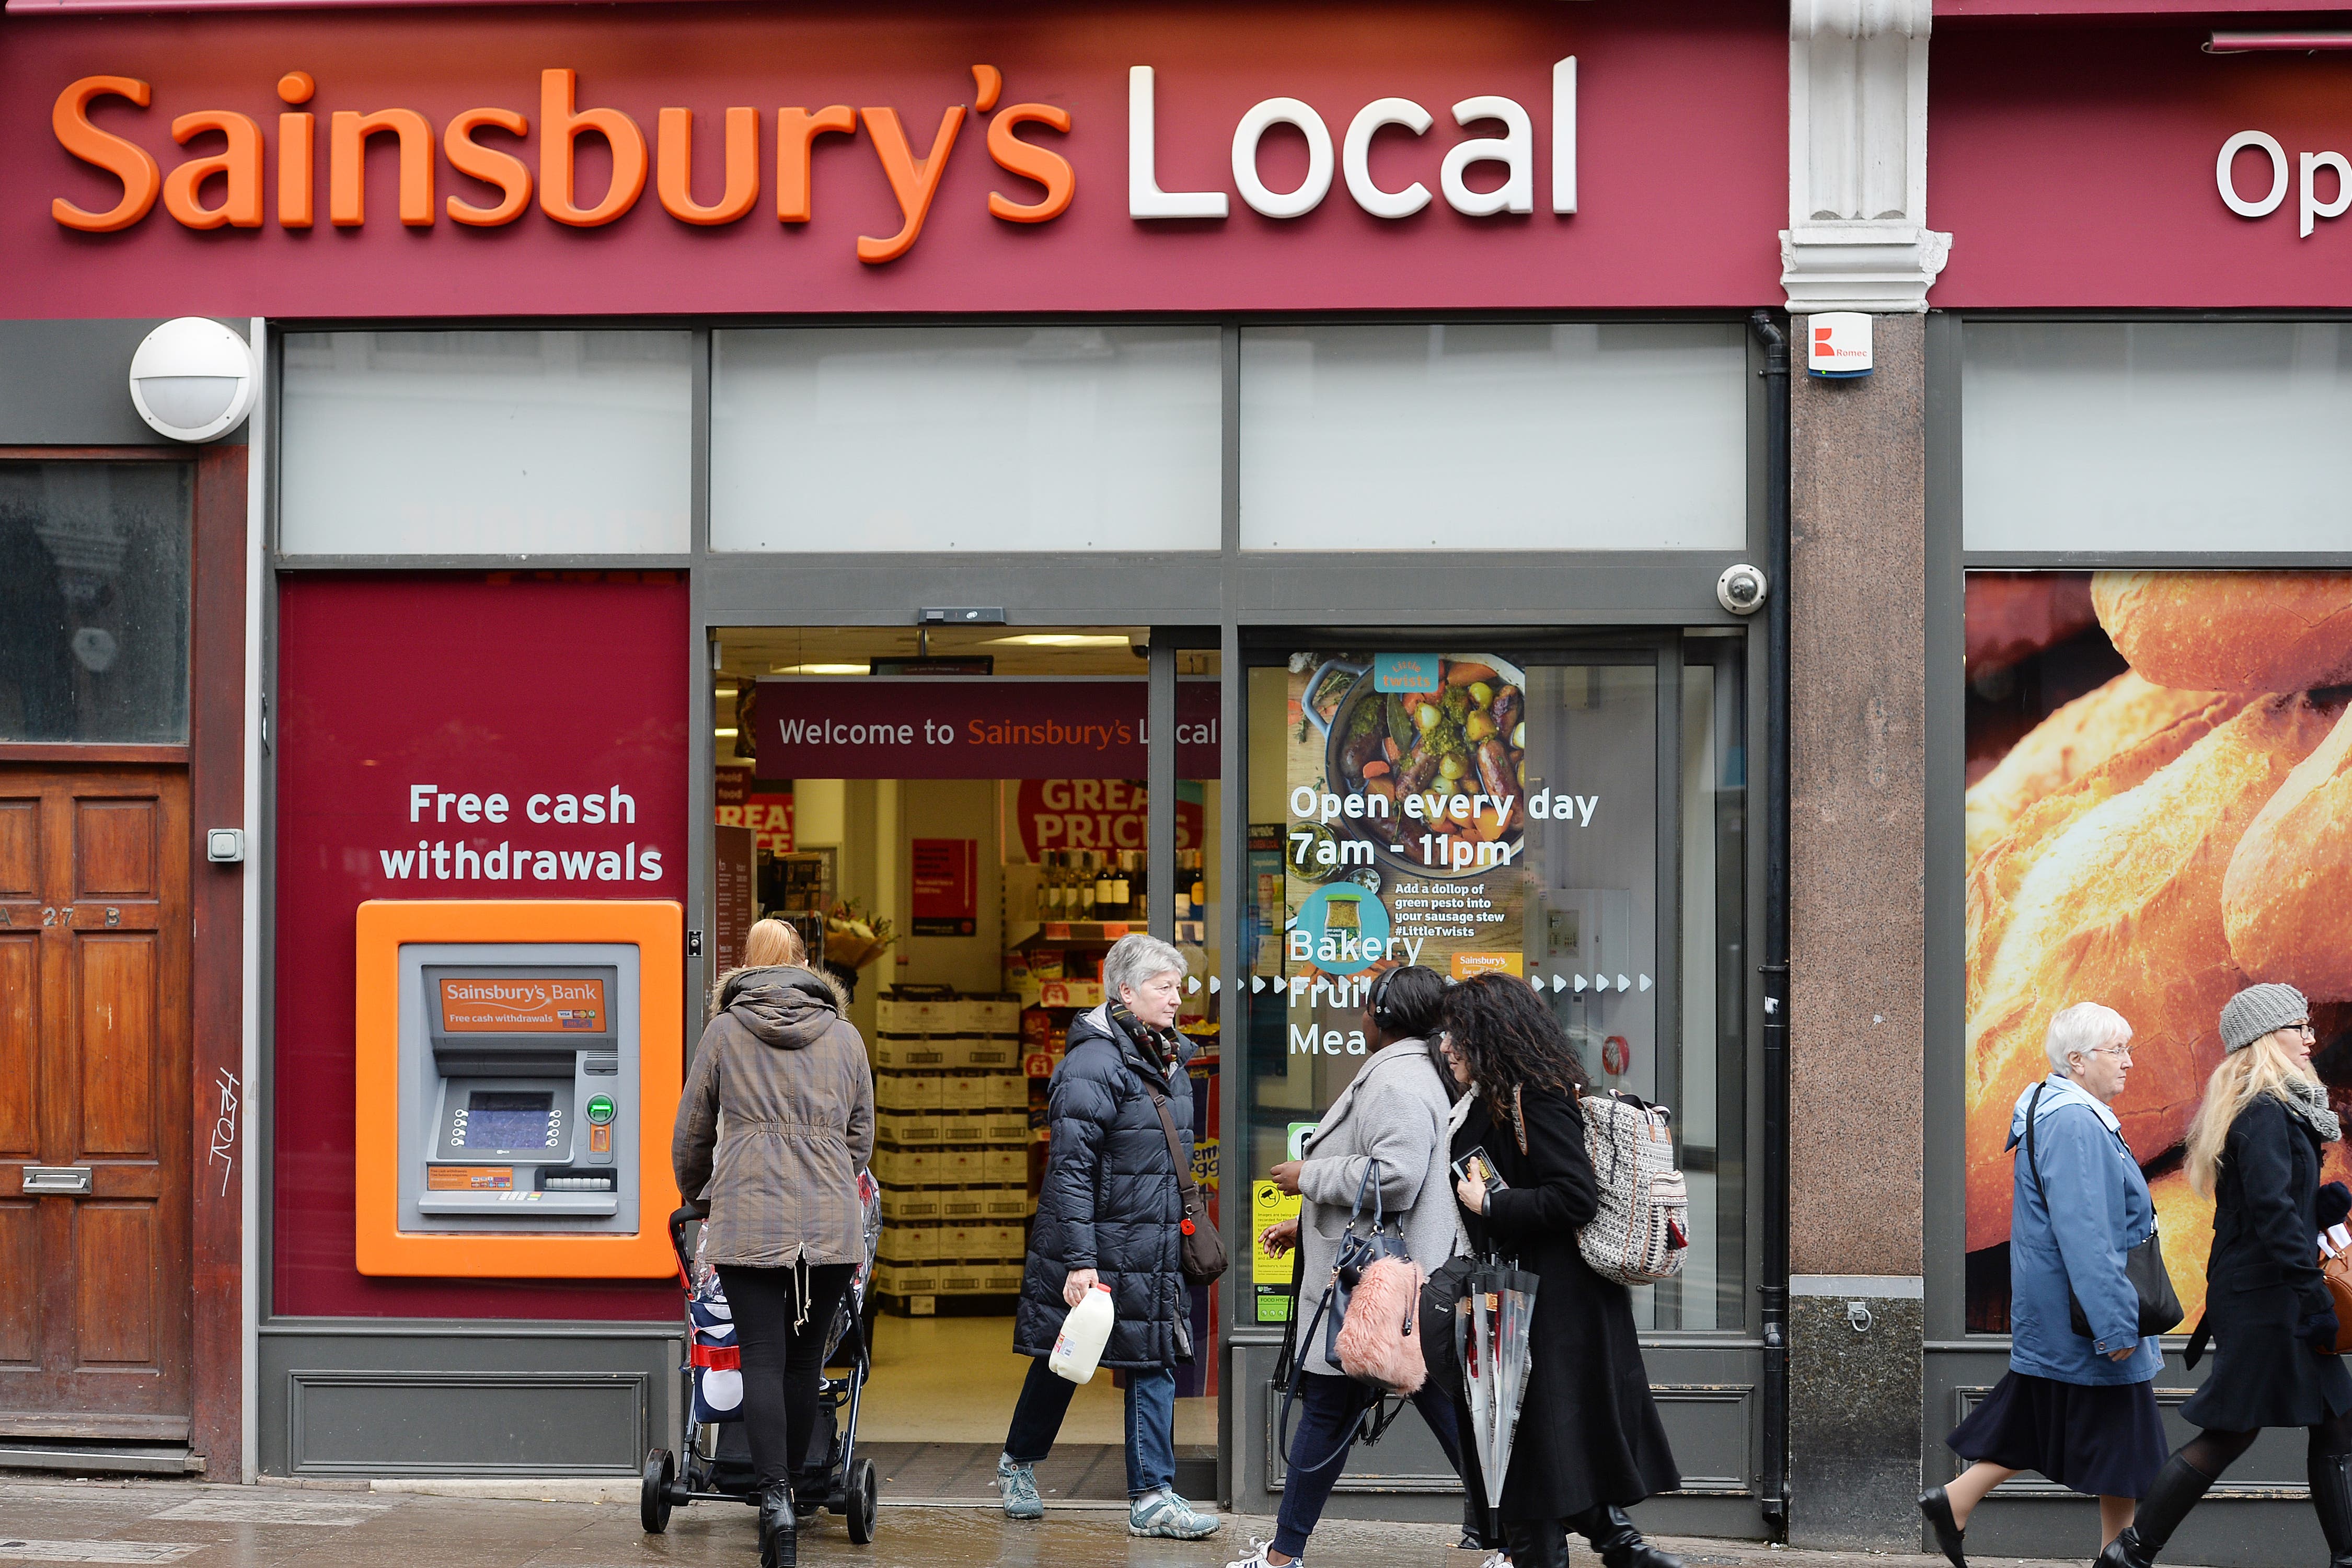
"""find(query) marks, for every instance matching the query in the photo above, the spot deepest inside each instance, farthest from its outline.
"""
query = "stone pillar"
(1857, 935)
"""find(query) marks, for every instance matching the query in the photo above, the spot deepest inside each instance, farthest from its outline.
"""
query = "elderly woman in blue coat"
(2081, 1410)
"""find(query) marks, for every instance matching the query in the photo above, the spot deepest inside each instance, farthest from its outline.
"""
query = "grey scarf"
(2308, 1101)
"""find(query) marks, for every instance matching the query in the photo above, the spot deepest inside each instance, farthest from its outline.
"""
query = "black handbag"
(2144, 1270)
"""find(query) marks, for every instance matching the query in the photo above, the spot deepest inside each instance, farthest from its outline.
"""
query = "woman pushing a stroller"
(787, 1074)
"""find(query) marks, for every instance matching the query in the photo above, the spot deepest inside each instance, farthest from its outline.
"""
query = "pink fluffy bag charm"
(1375, 1301)
(1380, 1343)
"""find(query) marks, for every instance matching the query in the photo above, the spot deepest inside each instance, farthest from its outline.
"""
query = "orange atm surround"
(658, 930)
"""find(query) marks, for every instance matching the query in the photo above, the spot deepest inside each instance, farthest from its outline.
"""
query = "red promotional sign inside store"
(468, 162)
(944, 881)
(1093, 813)
(893, 728)
(421, 754)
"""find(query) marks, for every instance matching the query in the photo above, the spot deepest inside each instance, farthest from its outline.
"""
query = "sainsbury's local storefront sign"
(632, 160)
(502, 166)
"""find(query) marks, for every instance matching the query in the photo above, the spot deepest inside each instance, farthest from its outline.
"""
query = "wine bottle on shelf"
(1103, 885)
(1138, 885)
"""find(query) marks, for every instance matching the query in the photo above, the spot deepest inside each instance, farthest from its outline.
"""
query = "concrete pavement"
(337, 1524)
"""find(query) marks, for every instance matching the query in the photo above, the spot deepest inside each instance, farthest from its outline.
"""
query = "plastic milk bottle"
(1083, 1333)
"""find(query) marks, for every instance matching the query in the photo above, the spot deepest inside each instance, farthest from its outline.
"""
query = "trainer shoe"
(1165, 1513)
(1258, 1557)
(1018, 1484)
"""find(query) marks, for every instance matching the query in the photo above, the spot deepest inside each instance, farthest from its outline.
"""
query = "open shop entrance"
(958, 824)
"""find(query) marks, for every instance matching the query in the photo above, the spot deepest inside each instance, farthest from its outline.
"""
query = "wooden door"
(94, 1078)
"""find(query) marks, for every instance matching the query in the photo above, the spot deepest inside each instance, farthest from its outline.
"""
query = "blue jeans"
(1329, 1407)
(1150, 1423)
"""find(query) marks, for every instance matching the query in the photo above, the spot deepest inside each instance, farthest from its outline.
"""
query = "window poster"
(2157, 811)
(1456, 810)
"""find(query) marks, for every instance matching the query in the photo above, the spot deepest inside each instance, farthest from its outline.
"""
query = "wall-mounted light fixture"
(193, 379)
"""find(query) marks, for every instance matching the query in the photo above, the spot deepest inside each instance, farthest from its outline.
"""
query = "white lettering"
(1515, 150)
(1145, 199)
(494, 808)
(530, 809)
(2223, 173)
(2313, 207)
(419, 797)
(1356, 163)
(1563, 136)
(1254, 125)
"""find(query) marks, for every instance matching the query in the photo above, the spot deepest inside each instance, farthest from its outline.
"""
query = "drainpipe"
(1774, 1288)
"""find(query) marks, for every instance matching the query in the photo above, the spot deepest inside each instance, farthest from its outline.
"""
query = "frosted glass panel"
(483, 443)
(833, 439)
(2114, 436)
(1495, 435)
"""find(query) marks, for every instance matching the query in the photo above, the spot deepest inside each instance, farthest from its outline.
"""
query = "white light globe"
(193, 379)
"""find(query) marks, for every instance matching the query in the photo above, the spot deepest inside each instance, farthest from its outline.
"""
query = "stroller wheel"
(653, 1498)
(864, 1496)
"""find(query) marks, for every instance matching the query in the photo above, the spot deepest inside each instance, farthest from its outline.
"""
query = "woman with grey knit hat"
(2255, 1147)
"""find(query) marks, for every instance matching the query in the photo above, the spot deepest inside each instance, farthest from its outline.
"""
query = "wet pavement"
(337, 1525)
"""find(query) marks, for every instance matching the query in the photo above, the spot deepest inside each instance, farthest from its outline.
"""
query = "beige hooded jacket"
(776, 1122)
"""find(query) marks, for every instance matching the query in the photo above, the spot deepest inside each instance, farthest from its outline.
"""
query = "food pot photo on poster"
(2157, 814)
(1474, 814)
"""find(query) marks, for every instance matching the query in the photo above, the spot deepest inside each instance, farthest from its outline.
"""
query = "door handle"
(56, 1180)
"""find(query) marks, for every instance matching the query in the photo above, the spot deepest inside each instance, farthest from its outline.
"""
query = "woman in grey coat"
(775, 1123)
(1388, 1124)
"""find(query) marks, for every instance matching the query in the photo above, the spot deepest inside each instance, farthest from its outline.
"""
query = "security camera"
(193, 379)
(1741, 589)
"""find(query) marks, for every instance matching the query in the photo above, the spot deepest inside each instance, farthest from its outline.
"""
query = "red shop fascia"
(2103, 156)
(715, 162)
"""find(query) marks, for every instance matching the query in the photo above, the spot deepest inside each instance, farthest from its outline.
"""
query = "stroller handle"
(680, 1221)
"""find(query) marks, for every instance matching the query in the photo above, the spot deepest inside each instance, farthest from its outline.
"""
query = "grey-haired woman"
(1109, 1213)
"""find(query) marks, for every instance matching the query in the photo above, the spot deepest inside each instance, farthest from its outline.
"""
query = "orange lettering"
(559, 129)
(914, 181)
(1015, 156)
(240, 163)
(508, 173)
(297, 144)
(674, 180)
(297, 136)
(796, 129)
(128, 162)
(347, 135)
(987, 82)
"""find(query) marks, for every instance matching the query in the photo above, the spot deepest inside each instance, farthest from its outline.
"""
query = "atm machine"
(519, 1065)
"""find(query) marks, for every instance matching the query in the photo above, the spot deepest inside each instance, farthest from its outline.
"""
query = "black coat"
(1109, 1202)
(1589, 1432)
(2264, 1279)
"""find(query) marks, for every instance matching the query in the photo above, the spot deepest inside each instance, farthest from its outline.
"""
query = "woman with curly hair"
(1590, 1444)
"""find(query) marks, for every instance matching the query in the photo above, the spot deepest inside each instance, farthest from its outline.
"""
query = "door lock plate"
(56, 1180)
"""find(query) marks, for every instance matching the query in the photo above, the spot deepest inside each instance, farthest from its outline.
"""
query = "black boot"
(1937, 1510)
(779, 1545)
(1613, 1535)
(2331, 1495)
(2170, 1498)
(1536, 1542)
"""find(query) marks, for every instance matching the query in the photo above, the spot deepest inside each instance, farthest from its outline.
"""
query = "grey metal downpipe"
(1774, 1288)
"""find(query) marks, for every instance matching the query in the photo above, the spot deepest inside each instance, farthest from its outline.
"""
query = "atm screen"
(506, 1121)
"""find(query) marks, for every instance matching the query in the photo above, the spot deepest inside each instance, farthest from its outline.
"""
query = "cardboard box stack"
(951, 1135)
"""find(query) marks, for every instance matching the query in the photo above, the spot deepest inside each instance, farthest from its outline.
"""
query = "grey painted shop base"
(1853, 1412)
(345, 1399)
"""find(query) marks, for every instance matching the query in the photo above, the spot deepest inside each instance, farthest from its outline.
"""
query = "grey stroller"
(713, 1462)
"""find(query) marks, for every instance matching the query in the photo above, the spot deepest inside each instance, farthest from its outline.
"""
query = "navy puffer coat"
(1110, 1201)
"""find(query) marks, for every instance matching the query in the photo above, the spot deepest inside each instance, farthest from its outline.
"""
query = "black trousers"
(783, 1365)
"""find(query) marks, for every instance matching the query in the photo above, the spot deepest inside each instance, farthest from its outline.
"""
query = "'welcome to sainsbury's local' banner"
(886, 727)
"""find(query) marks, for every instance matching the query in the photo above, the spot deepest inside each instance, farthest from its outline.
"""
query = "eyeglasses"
(2121, 1052)
(2304, 1029)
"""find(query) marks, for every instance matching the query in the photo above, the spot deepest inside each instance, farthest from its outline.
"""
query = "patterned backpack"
(1643, 1231)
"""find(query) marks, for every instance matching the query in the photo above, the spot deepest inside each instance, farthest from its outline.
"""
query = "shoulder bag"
(1201, 1250)
(2144, 1270)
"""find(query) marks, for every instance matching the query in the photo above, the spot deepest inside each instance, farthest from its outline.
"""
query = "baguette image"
(2069, 743)
(1991, 892)
(2123, 905)
(2231, 631)
(2288, 894)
